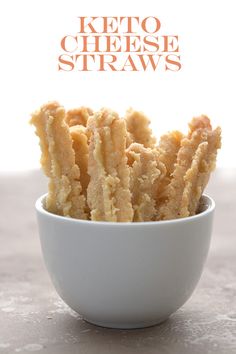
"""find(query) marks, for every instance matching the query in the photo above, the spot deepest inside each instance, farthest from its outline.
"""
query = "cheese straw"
(80, 146)
(105, 168)
(198, 175)
(78, 116)
(195, 161)
(58, 161)
(168, 148)
(146, 172)
(108, 194)
(138, 129)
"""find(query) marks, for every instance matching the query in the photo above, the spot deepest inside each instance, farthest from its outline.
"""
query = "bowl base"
(131, 325)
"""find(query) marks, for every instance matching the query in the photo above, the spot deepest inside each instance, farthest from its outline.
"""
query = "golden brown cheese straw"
(78, 116)
(175, 206)
(108, 192)
(146, 172)
(192, 192)
(138, 128)
(168, 148)
(58, 161)
(198, 175)
(39, 120)
(80, 146)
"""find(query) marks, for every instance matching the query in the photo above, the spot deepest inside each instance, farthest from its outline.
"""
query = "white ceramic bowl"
(125, 275)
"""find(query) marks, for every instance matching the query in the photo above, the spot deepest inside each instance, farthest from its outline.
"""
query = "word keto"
(119, 44)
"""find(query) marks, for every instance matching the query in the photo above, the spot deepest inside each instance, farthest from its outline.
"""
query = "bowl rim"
(209, 201)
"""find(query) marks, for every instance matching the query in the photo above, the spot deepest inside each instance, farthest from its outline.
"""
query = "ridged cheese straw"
(138, 129)
(80, 146)
(192, 169)
(58, 162)
(168, 148)
(78, 116)
(198, 175)
(146, 173)
(108, 192)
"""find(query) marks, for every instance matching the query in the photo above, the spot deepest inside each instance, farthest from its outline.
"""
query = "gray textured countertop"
(33, 318)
